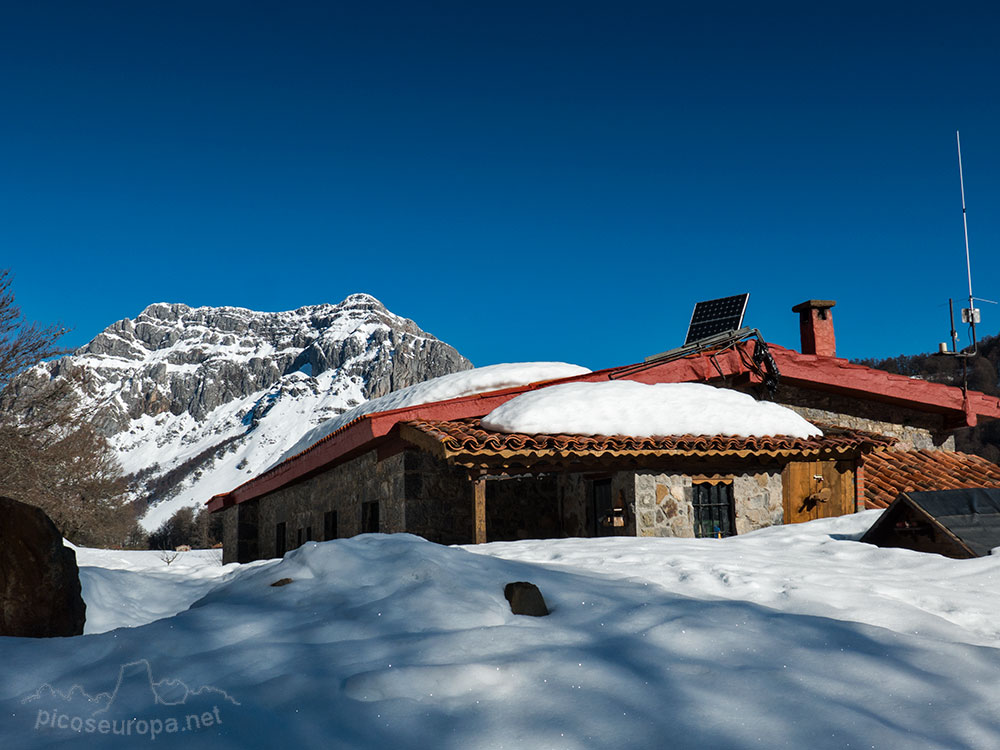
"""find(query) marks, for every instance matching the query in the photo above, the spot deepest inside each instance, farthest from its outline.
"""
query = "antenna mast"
(971, 314)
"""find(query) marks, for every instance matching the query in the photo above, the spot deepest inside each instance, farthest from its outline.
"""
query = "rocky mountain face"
(197, 400)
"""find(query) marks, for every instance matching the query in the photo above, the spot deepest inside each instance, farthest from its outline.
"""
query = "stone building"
(433, 470)
(453, 482)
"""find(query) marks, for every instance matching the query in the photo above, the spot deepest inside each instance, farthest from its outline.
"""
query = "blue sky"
(526, 180)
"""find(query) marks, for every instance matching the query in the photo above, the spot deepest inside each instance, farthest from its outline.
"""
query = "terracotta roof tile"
(891, 472)
(467, 437)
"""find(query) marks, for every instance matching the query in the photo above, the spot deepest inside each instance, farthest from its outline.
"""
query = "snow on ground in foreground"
(793, 637)
(624, 407)
(453, 385)
(130, 588)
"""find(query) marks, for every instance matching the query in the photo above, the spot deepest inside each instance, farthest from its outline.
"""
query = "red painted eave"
(830, 374)
(839, 375)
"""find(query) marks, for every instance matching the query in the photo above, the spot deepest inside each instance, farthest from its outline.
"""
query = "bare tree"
(50, 454)
(22, 344)
(168, 555)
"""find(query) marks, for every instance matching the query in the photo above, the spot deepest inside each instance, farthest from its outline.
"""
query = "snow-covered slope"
(198, 400)
(790, 637)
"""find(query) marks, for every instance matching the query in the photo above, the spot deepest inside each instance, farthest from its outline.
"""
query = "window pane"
(329, 525)
(369, 518)
(713, 509)
(280, 540)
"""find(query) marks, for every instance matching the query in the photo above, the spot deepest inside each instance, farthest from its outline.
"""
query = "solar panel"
(716, 316)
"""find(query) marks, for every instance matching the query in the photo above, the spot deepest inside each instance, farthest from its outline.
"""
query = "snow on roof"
(623, 407)
(454, 385)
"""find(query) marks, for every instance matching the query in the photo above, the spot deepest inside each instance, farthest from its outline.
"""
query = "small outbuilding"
(961, 523)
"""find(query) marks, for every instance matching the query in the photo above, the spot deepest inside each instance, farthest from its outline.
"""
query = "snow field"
(792, 637)
(132, 588)
(171, 440)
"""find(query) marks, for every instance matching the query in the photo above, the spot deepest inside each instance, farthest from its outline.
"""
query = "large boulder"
(39, 579)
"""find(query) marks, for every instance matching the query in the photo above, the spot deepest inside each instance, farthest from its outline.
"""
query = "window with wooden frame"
(714, 509)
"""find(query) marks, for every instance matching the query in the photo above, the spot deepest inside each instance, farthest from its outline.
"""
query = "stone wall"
(439, 502)
(229, 534)
(914, 430)
(522, 508)
(576, 503)
(623, 486)
(759, 501)
(663, 502)
(240, 532)
(423, 495)
(247, 529)
(576, 509)
(415, 492)
(343, 489)
(663, 505)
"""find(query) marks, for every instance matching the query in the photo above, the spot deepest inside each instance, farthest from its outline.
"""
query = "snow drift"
(790, 637)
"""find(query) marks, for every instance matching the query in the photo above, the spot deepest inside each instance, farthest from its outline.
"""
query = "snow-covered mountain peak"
(361, 300)
(166, 310)
(176, 326)
(188, 394)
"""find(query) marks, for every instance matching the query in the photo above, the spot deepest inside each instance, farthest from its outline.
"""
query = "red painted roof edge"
(829, 373)
(826, 373)
(835, 374)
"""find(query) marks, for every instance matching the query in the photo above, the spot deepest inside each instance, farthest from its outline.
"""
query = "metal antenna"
(965, 221)
(970, 314)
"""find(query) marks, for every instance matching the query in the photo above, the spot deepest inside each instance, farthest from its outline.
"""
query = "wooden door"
(817, 489)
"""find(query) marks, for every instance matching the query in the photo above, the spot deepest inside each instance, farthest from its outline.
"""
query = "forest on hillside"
(983, 440)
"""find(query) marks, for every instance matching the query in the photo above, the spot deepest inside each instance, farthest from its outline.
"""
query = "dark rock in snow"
(525, 599)
(39, 579)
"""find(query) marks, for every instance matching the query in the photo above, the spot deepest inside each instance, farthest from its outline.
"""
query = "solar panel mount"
(716, 316)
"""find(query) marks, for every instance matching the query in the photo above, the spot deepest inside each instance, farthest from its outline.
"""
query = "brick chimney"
(816, 327)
